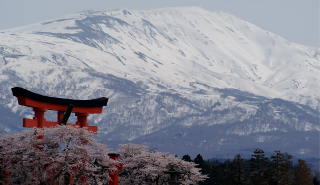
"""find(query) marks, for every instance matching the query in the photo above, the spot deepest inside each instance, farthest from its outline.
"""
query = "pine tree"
(286, 169)
(277, 159)
(205, 169)
(258, 167)
(187, 158)
(237, 175)
(302, 173)
(315, 181)
(217, 176)
(280, 169)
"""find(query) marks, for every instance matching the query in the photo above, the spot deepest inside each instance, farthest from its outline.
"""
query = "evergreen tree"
(205, 169)
(217, 175)
(286, 169)
(258, 167)
(187, 158)
(237, 174)
(315, 181)
(302, 173)
(277, 159)
(280, 170)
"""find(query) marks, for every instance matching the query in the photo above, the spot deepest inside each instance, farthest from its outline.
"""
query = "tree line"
(68, 155)
(258, 170)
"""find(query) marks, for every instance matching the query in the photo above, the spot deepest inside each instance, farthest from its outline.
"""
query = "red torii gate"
(82, 109)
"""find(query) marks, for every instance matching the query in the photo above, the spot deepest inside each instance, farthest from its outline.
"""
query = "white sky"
(295, 20)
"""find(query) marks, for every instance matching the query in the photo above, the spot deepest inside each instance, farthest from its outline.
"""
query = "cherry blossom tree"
(142, 166)
(60, 155)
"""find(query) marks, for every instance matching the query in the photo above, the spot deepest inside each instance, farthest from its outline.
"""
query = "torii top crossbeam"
(40, 104)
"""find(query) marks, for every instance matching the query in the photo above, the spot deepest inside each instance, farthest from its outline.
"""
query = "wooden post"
(39, 114)
(82, 119)
(113, 174)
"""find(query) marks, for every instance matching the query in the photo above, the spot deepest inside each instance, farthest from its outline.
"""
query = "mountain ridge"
(175, 68)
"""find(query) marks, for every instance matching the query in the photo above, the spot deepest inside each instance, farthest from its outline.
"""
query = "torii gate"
(82, 109)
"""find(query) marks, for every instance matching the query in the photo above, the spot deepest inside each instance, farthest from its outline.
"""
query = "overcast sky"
(295, 20)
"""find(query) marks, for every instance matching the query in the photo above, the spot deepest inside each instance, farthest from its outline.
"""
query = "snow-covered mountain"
(184, 80)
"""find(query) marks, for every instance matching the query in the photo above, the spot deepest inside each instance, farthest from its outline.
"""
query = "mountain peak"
(170, 68)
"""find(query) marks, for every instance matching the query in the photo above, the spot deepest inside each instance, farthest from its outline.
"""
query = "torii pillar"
(113, 174)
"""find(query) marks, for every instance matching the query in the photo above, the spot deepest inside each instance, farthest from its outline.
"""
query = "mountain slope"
(168, 70)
